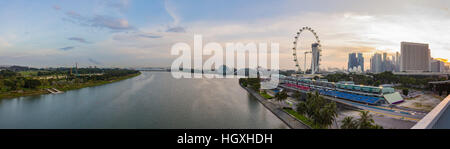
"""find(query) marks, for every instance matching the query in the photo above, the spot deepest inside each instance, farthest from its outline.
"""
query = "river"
(152, 100)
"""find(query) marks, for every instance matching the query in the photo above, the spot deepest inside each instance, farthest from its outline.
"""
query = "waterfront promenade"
(292, 122)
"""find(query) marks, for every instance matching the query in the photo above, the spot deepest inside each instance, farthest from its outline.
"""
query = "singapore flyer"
(316, 50)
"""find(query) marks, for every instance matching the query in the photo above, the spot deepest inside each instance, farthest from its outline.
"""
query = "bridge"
(153, 69)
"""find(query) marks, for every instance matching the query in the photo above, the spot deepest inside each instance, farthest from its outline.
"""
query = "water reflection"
(151, 100)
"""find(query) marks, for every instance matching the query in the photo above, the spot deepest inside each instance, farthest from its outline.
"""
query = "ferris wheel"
(315, 52)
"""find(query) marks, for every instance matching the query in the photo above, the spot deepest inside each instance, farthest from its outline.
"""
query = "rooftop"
(438, 118)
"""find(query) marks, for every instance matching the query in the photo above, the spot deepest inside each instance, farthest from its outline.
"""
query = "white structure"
(315, 58)
(356, 69)
(415, 57)
(316, 50)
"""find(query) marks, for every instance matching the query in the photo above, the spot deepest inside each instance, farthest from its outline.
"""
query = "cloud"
(82, 40)
(67, 48)
(111, 23)
(170, 9)
(143, 35)
(135, 36)
(94, 61)
(4, 43)
(176, 30)
(121, 5)
(56, 7)
(100, 21)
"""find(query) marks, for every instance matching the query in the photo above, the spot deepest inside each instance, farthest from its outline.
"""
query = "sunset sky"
(140, 33)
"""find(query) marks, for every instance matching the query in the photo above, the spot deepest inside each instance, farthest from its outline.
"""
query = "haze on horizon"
(140, 33)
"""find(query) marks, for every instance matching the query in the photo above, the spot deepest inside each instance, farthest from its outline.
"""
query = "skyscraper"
(397, 61)
(415, 57)
(376, 63)
(352, 61)
(355, 62)
(361, 61)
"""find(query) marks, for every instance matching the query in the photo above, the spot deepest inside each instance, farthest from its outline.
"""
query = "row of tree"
(364, 122)
(321, 111)
(253, 83)
(20, 83)
(383, 78)
(11, 81)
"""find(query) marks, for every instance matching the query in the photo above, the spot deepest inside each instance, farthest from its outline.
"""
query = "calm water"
(151, 100)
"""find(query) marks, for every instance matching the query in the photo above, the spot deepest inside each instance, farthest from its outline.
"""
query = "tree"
(297, 95)
(377, 83)
(405, 92)
(10, 84)
(255, 83)
(31, 83)
(318, 109)
(349, 123)
(7, 74)
(281, 96)
(364, 122)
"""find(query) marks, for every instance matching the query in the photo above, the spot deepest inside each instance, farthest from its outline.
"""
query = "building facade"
(355, 62)
(397, 62)
(376, 63)
(437, 66)
(415, 57)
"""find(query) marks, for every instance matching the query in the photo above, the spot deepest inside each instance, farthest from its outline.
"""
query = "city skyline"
(133, 33)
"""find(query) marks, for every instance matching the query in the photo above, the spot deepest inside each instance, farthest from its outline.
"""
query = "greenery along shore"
(29, 82)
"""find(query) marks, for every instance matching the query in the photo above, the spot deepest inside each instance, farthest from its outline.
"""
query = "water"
(151, 100)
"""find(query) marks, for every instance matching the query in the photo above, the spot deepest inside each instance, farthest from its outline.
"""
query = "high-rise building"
(447, 68)
(355, 62)
(352, 61)
(397, 62)
(376, 63)
(361, 61)
(437, 66)
(415, 57)
(384, 63)
(315, 58)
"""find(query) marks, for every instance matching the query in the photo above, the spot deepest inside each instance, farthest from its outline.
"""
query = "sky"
(140, 33)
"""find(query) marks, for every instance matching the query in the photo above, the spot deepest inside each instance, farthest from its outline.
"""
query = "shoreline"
(290, 121)
(26, 93)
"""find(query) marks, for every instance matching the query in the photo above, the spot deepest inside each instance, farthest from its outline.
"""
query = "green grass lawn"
(302, 118)
(28, 73)
(265, 95)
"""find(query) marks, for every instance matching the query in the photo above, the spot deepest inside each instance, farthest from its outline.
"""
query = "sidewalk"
(292, 122)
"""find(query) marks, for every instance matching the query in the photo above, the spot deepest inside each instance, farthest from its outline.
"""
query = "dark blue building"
(355, 61)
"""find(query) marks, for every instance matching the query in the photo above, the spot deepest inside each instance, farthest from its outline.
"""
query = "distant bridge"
(152, 69)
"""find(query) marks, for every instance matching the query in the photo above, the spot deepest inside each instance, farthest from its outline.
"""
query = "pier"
(54, 91)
